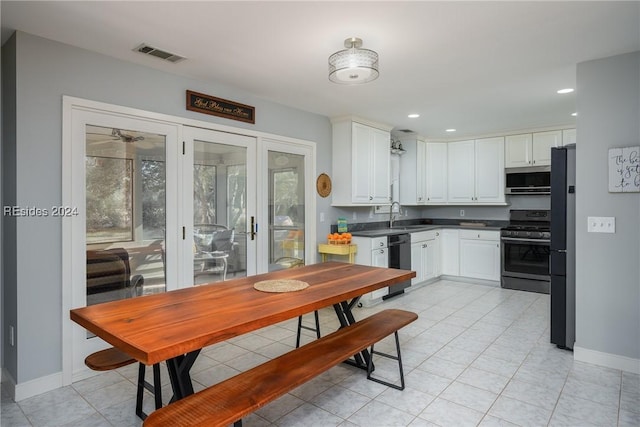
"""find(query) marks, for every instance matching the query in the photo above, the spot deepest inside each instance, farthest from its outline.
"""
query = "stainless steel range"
(525, 247)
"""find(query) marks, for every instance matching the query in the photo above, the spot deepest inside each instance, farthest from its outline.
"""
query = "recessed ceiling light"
(413, 116)
(450, 130)
(574, 114)
(567, 90)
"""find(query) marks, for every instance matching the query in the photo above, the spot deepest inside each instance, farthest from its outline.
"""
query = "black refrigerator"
(563, 246)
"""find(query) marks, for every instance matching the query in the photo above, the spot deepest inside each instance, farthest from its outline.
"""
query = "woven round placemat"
(280, 285)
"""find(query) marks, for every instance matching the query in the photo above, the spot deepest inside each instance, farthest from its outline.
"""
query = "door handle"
(254, 228)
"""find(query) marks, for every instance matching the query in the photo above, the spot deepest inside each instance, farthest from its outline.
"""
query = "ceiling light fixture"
(567, 90)
(413, 116)
(353, 65)
(450, 130)
(574, 114)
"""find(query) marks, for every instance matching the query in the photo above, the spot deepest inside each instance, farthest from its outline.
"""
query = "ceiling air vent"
(167, 56)
(405, 130)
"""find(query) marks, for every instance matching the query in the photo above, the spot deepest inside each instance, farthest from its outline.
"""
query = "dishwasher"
(399, 247)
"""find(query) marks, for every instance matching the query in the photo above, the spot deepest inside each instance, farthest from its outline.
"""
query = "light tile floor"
(477, 355)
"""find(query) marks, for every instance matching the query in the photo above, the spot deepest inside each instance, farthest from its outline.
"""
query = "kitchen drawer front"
(480, 235)
(378, 242)
(421, 236)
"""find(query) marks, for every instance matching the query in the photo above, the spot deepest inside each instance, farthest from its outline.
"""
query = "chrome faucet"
(391, 216)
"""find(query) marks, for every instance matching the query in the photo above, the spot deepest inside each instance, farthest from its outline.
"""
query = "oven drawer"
(480, 235)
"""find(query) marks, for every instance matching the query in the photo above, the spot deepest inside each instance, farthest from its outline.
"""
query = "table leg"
(346, 318)
(179, 368)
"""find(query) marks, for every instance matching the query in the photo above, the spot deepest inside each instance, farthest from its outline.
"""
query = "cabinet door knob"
(370, 197)
(381, 244)
(437, 234)
(478, 236)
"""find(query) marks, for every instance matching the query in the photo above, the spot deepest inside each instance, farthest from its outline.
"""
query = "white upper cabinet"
(461, 171)
(531, 149)
(361, 163)
(568, 136)
(489, 172)
(436, 173)
(542, 144)
(423, 172)
(476, 171)
(413, 172)
(517, 150)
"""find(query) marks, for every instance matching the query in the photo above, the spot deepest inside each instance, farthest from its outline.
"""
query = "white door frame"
(73, 235)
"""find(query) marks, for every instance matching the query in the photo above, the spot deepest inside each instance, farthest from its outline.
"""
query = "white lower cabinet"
(480, 254)
(425, 255)
(372, 251)
(450, 252)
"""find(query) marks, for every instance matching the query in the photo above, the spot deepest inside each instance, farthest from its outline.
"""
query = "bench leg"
(301, 326)
(390, 356)
(156, 389)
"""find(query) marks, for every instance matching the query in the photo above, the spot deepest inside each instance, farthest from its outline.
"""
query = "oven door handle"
(517, 240)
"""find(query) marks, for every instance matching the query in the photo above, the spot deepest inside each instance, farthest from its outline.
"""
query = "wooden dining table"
(174, 326)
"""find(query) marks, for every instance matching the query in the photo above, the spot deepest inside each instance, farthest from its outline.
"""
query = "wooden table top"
(158, 327)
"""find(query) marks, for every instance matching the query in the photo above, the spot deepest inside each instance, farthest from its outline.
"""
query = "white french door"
(287, 205)
(219, 200)
(121, 176)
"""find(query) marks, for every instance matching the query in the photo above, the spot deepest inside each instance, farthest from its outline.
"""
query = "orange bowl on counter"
(339, 238)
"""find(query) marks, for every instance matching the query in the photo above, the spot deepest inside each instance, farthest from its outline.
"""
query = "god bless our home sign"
(220, 107)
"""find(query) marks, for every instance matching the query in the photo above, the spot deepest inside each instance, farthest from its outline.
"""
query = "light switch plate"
(601, 224)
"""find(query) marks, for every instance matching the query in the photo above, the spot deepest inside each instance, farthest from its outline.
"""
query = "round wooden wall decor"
(323, 185)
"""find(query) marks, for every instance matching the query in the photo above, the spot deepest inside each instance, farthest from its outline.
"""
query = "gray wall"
(8, 271)
(608, 265)
(44, 71)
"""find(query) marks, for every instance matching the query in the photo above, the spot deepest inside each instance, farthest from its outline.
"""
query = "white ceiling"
(479, 67)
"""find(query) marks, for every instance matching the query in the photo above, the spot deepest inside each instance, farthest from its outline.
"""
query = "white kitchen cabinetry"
(480, 254)
(423, 172)
(450, 251)
(372, 251)
(425, 255)
(476, 171)
(568, 136)
(436, 173)
(461, 171)
(413, 181)
(541, 147)
(361, 163)
(531, 149)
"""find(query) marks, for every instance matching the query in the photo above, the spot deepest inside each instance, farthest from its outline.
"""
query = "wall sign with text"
(624, 170)
(220, 107)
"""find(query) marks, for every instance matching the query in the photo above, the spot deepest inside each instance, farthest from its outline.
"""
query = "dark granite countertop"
(378, 229)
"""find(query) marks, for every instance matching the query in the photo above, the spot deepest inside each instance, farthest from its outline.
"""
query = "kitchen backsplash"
(500, 213)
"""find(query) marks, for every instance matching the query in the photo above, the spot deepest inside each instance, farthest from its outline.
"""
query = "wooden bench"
(112, 358)
(231, 400)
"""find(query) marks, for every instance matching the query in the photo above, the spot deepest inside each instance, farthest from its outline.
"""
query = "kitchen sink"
(411, 227)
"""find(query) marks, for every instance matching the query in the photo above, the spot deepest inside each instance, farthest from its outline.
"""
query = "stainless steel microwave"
(528, 180)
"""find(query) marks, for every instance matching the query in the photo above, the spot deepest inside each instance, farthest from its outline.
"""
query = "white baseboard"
(607, 360)
(22, 391)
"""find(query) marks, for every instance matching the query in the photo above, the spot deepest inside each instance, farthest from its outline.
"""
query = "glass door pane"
(286, 210)
(125, 187)
(219, 211)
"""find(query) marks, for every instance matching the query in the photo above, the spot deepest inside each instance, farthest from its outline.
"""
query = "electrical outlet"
(355, 216)
(321, 216)
(461, 212)
(601, 224)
